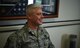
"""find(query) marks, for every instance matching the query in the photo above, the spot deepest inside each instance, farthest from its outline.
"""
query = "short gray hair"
(32, 6)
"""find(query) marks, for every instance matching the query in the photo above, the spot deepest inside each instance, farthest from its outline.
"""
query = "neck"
(32, 26)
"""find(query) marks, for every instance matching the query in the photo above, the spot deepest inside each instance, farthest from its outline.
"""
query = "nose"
(42, 16)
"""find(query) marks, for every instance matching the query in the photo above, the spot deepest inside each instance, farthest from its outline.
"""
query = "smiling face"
(36, 16)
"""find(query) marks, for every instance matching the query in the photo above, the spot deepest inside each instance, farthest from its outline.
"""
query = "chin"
(39, 23)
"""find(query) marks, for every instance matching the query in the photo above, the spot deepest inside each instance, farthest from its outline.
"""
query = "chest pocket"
(31, 42)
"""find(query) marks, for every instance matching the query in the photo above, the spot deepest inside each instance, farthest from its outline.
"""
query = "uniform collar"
(30, 31)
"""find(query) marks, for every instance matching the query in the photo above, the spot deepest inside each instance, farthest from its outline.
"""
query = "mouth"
(40, 21)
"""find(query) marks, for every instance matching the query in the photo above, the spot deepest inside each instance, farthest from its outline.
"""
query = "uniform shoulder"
(16, 34)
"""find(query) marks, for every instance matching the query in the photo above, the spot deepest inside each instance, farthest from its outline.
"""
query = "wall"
(68, 10)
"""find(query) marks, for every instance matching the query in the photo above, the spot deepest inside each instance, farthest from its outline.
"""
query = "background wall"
(68, 10)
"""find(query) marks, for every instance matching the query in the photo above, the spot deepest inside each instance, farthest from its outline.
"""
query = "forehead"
(37, 9)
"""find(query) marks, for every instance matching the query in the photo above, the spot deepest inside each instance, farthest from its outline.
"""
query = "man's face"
(36, 16)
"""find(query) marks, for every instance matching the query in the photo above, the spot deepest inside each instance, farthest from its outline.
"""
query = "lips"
(39, 21)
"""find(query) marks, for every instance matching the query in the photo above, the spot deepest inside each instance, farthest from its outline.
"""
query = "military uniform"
(27, 38)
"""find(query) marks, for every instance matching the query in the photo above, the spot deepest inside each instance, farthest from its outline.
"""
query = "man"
(31, 35)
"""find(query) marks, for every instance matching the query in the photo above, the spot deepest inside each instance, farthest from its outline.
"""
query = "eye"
(39, 13)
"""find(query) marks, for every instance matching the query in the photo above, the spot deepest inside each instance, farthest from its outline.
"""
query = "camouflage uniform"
(27, 38)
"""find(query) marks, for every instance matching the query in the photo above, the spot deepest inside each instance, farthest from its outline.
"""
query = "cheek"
(36, 19)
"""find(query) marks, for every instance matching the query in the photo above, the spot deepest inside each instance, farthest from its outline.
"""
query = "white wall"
(56, 33)
(68, 10)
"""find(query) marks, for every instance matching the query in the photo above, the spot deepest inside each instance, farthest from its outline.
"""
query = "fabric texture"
(27, 38)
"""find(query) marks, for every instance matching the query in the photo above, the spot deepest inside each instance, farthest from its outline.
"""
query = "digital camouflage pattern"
(27, 38)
